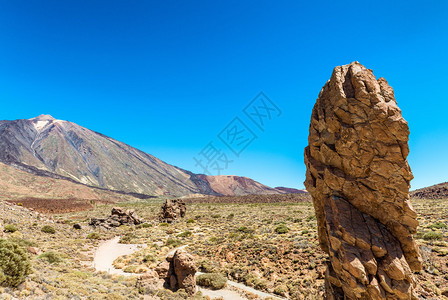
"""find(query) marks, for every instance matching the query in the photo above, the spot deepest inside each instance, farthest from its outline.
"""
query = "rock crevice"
(358, 176)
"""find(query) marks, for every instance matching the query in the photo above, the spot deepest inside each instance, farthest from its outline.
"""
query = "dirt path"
(109, 251)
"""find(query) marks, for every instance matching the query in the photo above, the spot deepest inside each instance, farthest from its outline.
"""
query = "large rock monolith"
(358, 176)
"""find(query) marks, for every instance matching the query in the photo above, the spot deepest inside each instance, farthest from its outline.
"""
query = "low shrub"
(14, 264)
(281, 229)
(48, 229)
(10, 228)
(185, 234)
(93, 236)
(245, 229)
(51, 256)
(172, 242)
(438, 225)
(214, 281)
(432, 235)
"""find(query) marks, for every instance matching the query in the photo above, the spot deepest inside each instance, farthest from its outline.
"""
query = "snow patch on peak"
(43, 121)
(39, 125)
(43, 118)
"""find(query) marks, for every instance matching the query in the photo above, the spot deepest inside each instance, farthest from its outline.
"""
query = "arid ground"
(271, 246)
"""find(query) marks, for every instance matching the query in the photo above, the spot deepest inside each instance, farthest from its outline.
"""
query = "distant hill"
(438, 191)
(16, 185)
(270, 198)
(290, 190)
(61, 149)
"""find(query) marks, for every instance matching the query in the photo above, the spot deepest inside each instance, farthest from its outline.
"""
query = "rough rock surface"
(172, 210)
(179, 272)
(149, 283)
(358, 176)
(117, 218)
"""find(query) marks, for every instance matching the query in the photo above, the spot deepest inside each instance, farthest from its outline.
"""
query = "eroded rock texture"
(118, 217)
(172, 210)
(358, 176)
(179, 271)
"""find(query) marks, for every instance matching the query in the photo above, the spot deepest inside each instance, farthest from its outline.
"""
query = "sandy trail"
(109, 251)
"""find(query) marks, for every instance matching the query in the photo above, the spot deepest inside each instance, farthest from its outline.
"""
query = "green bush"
(172, 242)
(185, 234)
(190, 221)
(10, 228)
(14, 264)
(48, 229)
(245, 229)
(93, 236)
(214, 281)
(438, 225)
(433, 235)
(281, 229)
(51, 256)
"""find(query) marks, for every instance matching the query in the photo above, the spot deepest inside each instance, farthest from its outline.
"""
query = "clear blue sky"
(168, 76)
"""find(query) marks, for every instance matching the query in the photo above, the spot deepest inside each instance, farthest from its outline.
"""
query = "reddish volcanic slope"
(231, 185)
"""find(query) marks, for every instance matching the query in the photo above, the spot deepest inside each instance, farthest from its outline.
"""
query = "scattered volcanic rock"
(179, 271)
(172, 210)
(358, 177)
(117, 218)
(149, 282)
(438, 191)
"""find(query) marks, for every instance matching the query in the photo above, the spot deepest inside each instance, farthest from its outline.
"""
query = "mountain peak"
(43, 118)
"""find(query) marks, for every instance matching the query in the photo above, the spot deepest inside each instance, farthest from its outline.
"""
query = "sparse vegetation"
(245, 248)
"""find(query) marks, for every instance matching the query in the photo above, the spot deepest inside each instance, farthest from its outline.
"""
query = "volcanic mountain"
(60, 149)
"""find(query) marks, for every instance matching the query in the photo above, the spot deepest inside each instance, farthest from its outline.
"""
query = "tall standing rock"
(358, 176)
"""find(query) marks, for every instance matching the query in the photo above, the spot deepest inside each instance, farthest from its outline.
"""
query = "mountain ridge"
(60, 149)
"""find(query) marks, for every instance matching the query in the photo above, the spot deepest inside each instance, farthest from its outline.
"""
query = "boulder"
(117, 218)
(179, 271)
(149, 283)
(359, 179)
(172, 210)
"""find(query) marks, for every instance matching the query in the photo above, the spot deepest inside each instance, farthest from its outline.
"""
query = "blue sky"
(168, 76)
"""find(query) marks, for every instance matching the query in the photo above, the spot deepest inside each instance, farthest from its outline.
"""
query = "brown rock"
(179, 271)
(149, 282)
(185, 269)
(117, 218)
(358, 176)
(172, 210)
(33, 250)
